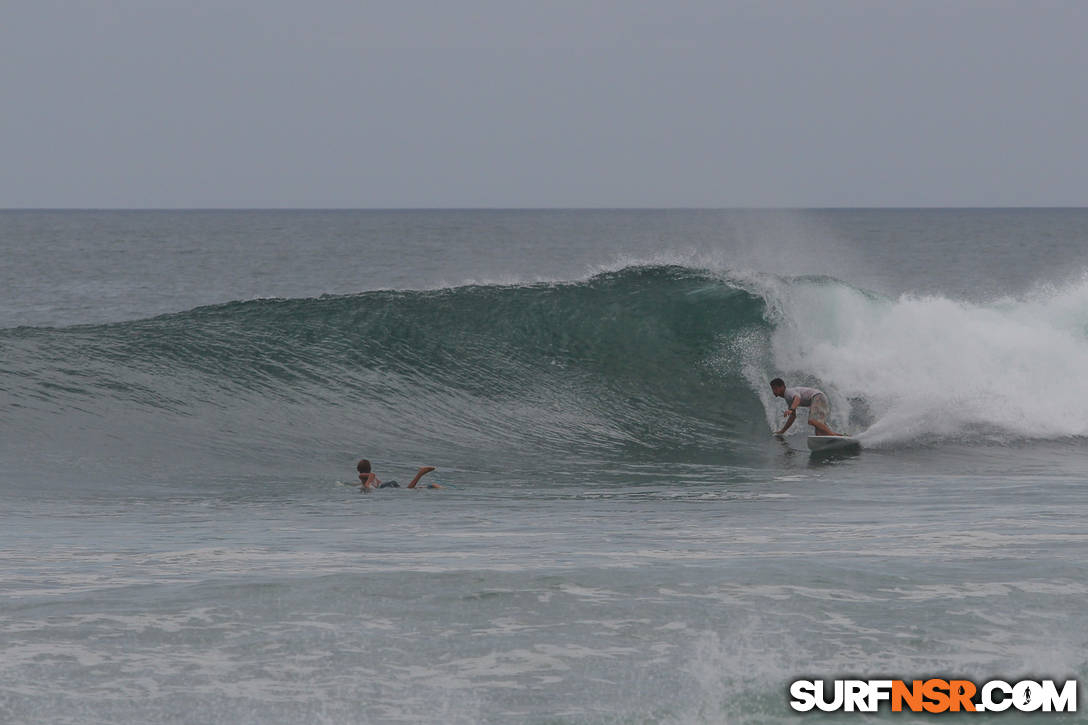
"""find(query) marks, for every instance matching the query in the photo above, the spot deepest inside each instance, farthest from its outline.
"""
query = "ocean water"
(618, 540)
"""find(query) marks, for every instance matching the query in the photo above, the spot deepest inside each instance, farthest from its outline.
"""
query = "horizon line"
(935, 207)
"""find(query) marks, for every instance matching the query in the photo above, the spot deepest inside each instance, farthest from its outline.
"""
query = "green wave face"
(645, 364)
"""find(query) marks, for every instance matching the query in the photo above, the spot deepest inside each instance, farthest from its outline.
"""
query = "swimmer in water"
(369, 480)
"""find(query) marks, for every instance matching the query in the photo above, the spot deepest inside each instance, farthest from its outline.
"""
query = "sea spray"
(929, 368)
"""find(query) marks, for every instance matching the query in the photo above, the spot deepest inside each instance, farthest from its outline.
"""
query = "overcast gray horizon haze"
(480, 103)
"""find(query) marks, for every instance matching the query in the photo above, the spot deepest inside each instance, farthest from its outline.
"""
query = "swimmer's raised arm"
(420, 474)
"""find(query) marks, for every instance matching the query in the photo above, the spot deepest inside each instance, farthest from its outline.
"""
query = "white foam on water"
(933, 368)
(726, 679)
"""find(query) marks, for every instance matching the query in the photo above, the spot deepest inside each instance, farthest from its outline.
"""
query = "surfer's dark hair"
(363, 467)
(778, 381)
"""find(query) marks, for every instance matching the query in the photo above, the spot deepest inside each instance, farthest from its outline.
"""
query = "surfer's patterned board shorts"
(818, 409)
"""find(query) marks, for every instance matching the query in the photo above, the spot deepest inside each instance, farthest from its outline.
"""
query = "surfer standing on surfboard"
(811, 398)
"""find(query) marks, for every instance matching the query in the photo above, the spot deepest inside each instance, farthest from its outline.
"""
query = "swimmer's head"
(363, 466)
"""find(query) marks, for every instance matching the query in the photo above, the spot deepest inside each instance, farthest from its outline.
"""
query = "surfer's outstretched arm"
(791, 413)
(792, 417)
(420, 474)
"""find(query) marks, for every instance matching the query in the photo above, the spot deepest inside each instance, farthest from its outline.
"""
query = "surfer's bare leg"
(420, 474)
(823, 429)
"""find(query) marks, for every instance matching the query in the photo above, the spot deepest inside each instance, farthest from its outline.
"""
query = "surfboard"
(832, 443)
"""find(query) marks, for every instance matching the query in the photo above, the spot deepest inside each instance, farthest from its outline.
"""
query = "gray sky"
(452, 103)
